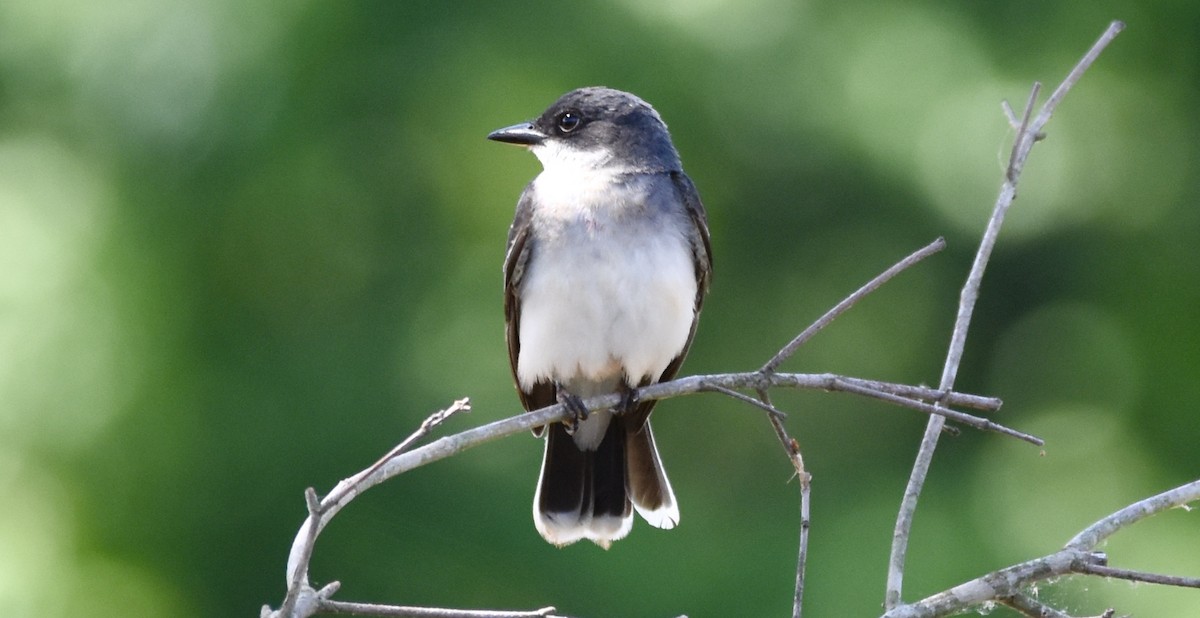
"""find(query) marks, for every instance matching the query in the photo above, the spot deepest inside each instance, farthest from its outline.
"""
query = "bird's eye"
(568, 121)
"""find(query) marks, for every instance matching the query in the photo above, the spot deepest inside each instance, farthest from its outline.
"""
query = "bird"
(607, 265)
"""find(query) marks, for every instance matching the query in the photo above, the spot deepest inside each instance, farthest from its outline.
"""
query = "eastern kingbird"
(608, 262)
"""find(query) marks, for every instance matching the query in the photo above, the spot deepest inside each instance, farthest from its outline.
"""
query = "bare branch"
(1114, 28)
(301, 598)
(1001, 584)
(1078, 557)
(1012, 116)
(1028, 134)
(432, 421)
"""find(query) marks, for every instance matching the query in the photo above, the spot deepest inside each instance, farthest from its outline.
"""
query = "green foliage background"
(246, 247)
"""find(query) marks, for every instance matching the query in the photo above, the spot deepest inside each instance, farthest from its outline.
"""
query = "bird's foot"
(574, 405)
(629, 400)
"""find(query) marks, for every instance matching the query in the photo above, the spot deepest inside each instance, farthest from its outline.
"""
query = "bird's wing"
(516, 258)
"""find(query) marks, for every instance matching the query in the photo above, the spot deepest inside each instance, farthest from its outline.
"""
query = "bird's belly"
(599, 307)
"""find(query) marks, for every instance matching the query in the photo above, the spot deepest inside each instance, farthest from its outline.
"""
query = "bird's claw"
(574, 405)
(629, 400)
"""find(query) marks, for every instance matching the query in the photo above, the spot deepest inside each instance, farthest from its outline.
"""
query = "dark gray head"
(597, 128)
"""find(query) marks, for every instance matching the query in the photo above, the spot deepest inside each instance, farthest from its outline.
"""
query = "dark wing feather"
(702, 259)
(516, 257)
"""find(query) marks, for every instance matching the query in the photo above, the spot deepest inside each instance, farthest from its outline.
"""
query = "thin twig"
(1056, 97)
(791, 448)
(402, 611)
(982, 424)
(1139, 576)
(760, 404)
(1010, 115)
(986, 404)
(802, 558)
(790, 349)
(1022, 145)
(833, 382)
(430, 422)
(301, 554)
(1092, 536)
(1015, 160)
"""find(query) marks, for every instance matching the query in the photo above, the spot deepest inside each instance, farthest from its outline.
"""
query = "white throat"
(558, 158)
(574, 181)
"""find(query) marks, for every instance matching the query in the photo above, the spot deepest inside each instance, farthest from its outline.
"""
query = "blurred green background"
(247, 247)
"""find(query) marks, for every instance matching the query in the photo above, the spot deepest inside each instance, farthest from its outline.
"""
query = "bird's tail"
(647, 483)
(591, 494)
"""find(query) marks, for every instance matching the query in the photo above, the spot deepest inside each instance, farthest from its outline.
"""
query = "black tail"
(587, 494)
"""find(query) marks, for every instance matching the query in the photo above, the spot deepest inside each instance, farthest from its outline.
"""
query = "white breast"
(609, 291)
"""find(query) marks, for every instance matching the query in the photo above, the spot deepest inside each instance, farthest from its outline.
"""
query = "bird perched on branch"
(607, 265)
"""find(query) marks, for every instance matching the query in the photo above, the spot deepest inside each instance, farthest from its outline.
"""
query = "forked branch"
(303, 601)
(1079, 556)
(1029, 131)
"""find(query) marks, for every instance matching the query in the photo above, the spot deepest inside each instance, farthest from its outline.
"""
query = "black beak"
(521, 134)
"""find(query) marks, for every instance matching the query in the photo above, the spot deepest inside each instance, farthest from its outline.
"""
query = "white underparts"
(609, 292)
